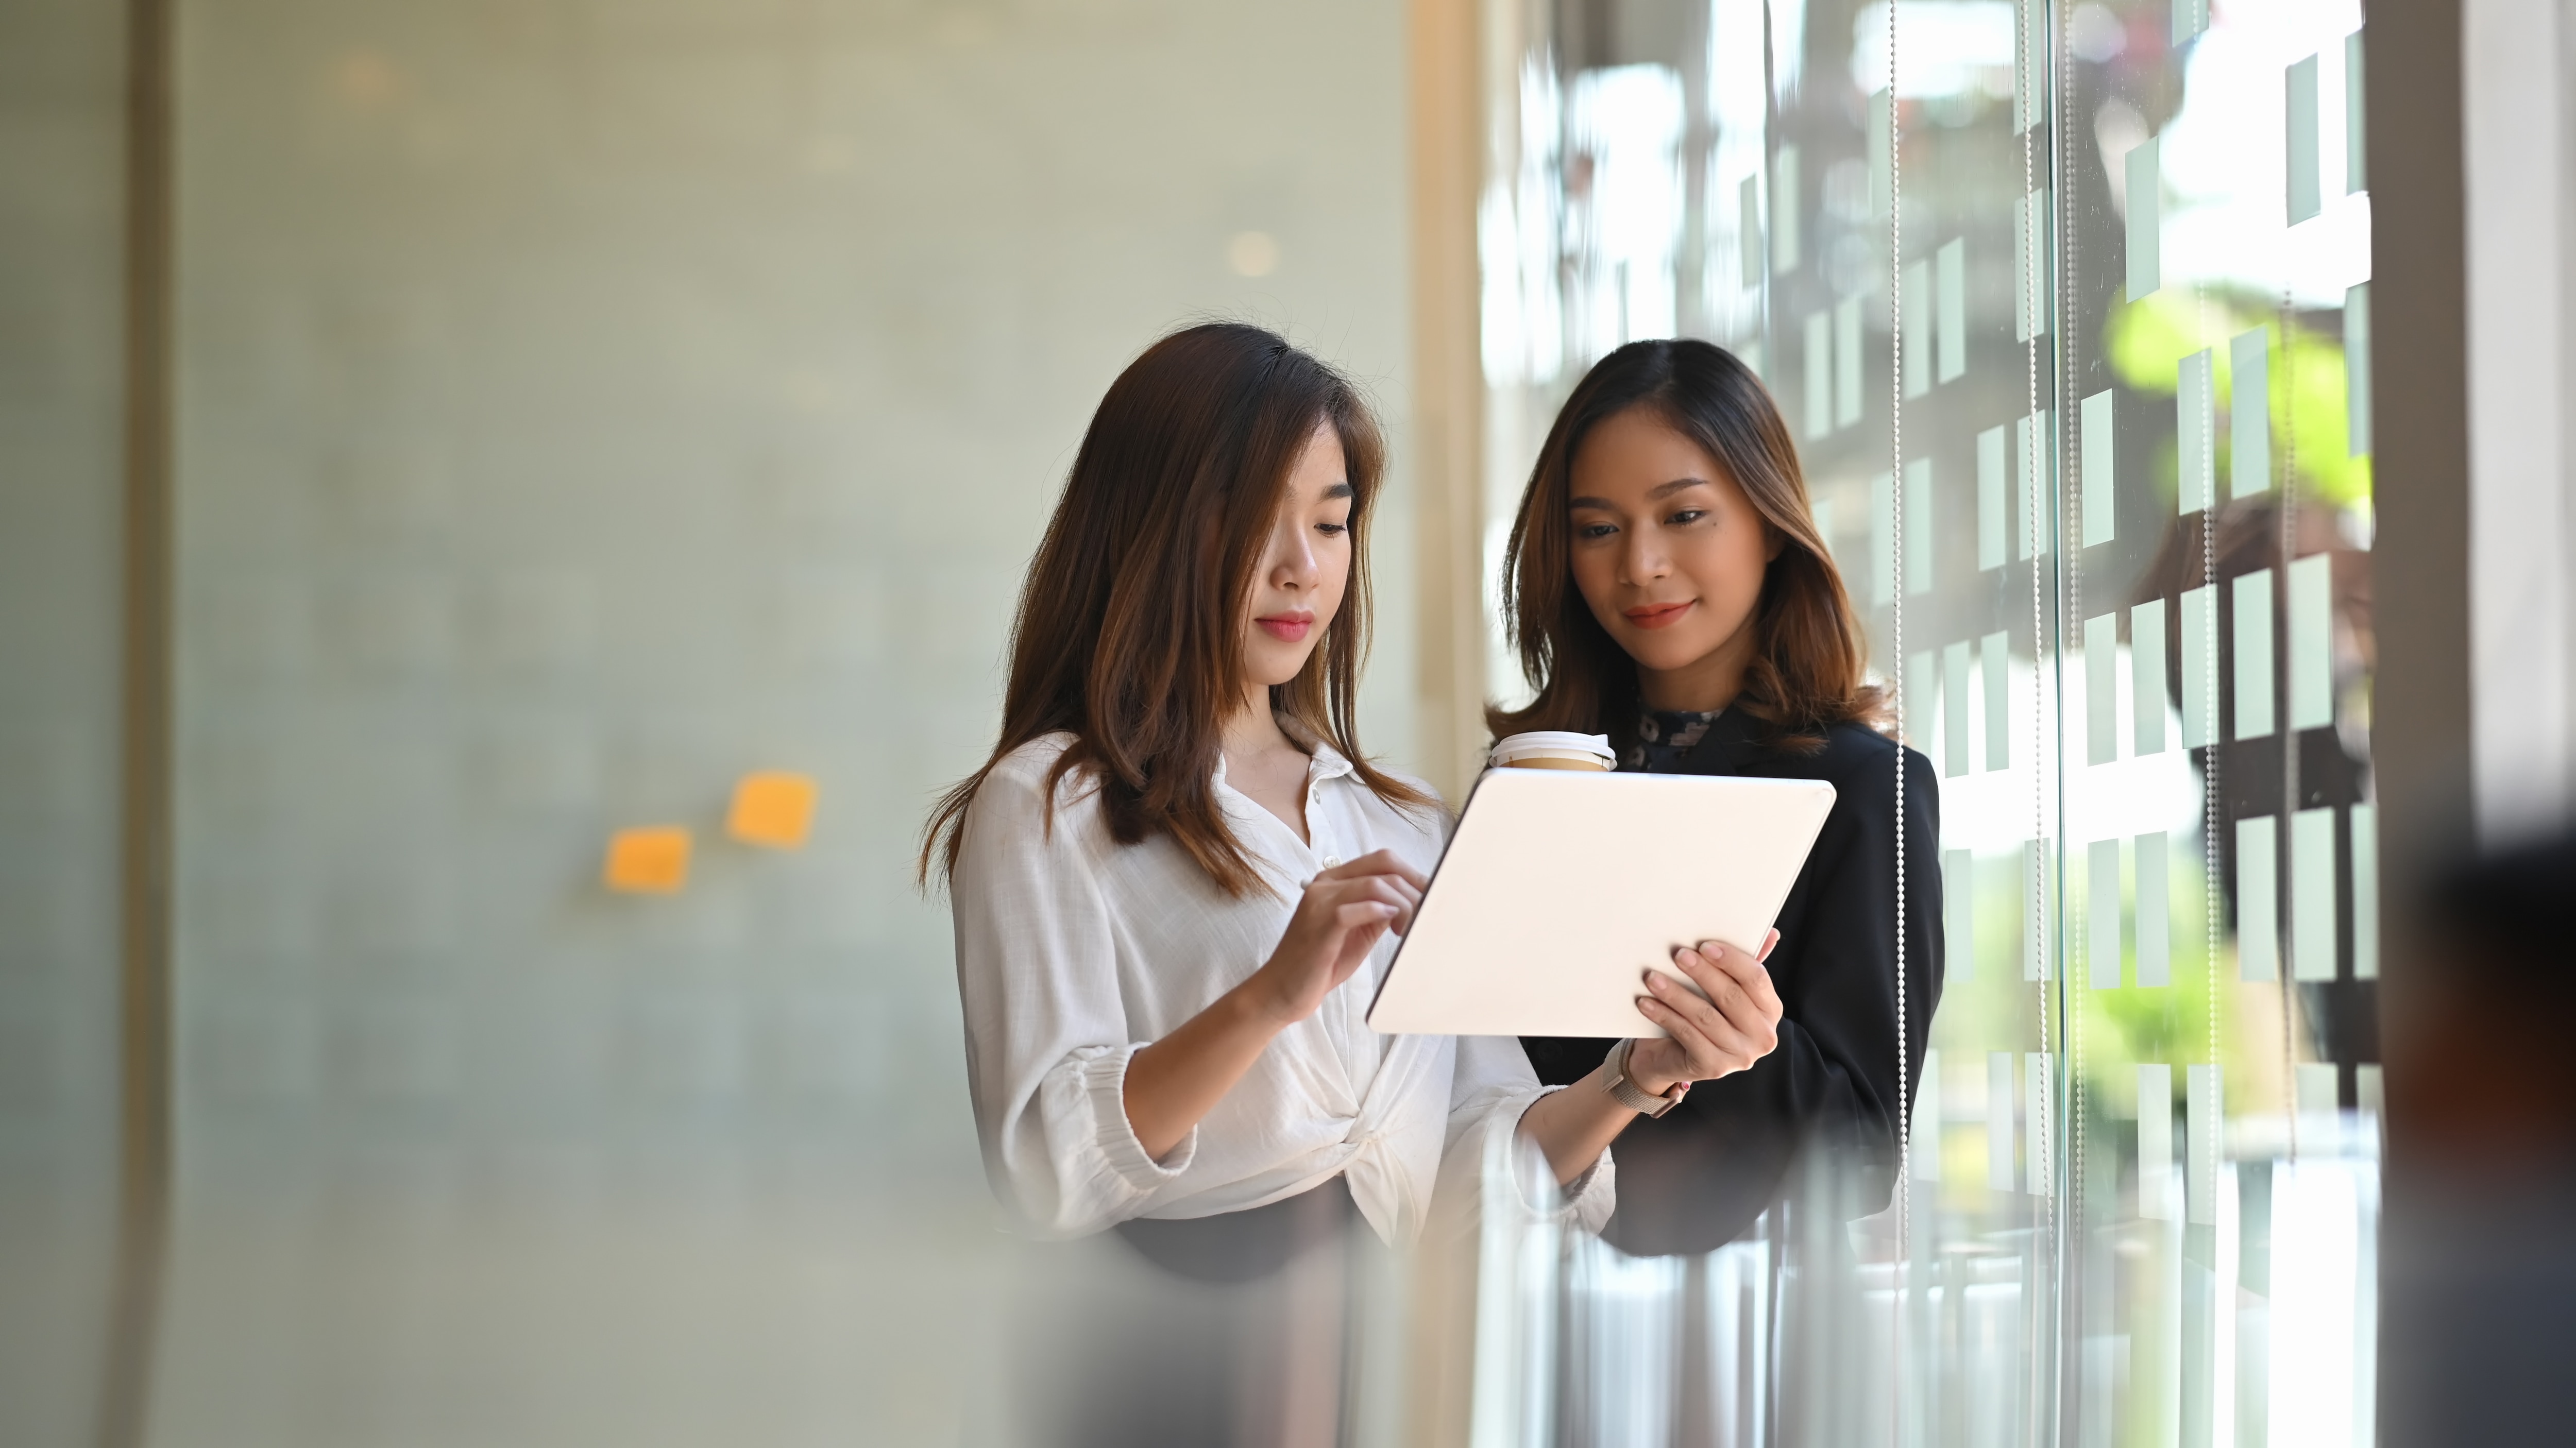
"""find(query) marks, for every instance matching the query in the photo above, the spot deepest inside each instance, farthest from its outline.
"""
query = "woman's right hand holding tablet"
(1734, 1025)
(1732, 1021)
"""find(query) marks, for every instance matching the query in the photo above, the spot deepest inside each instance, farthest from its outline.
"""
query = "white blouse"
(1073, 951)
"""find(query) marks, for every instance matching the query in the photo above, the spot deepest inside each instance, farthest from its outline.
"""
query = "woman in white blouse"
(1176, 879)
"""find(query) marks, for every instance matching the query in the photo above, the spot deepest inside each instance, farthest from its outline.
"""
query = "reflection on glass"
(2092, 443)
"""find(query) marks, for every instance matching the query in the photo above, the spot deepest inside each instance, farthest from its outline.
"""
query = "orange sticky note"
(653, 860)
(772, 809)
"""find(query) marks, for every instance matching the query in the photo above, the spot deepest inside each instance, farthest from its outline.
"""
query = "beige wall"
(582, 404)
(59, 223)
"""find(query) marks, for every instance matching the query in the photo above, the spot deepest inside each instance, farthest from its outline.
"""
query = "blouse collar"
(1323, 762)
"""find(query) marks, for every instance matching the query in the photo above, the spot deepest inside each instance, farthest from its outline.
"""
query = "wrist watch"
(1633, 1096)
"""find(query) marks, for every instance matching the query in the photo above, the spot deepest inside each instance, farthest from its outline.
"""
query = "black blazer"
(1696, 1177)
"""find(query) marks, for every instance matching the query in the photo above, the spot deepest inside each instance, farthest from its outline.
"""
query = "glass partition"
(2058, 301)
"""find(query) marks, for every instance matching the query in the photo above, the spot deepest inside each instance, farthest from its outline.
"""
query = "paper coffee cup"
(1553, 749)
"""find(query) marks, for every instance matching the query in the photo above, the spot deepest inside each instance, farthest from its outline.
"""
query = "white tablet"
(1560, 886)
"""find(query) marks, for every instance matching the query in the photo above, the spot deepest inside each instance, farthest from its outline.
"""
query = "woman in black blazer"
(1668, 587)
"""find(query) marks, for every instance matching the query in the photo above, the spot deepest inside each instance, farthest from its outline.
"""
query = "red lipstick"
(1656, 615)
(1288, 628)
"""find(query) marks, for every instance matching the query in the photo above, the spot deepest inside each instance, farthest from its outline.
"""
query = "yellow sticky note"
(772, 809)
(653, 860)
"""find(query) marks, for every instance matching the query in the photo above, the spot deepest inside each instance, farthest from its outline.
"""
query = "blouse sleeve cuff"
(1593, 1196)
(1105, 1082)
(1588, 1199)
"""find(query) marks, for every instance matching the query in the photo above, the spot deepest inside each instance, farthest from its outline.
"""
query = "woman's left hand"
(1726, 1026)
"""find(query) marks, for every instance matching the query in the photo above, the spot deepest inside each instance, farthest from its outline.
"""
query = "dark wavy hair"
(1806, 671)
(1130, 626)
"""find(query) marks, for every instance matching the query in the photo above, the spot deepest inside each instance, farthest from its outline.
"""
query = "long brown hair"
(1129, 631)
(1809, 650)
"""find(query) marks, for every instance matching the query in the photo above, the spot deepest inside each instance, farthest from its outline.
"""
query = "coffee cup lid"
(1540, 743)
